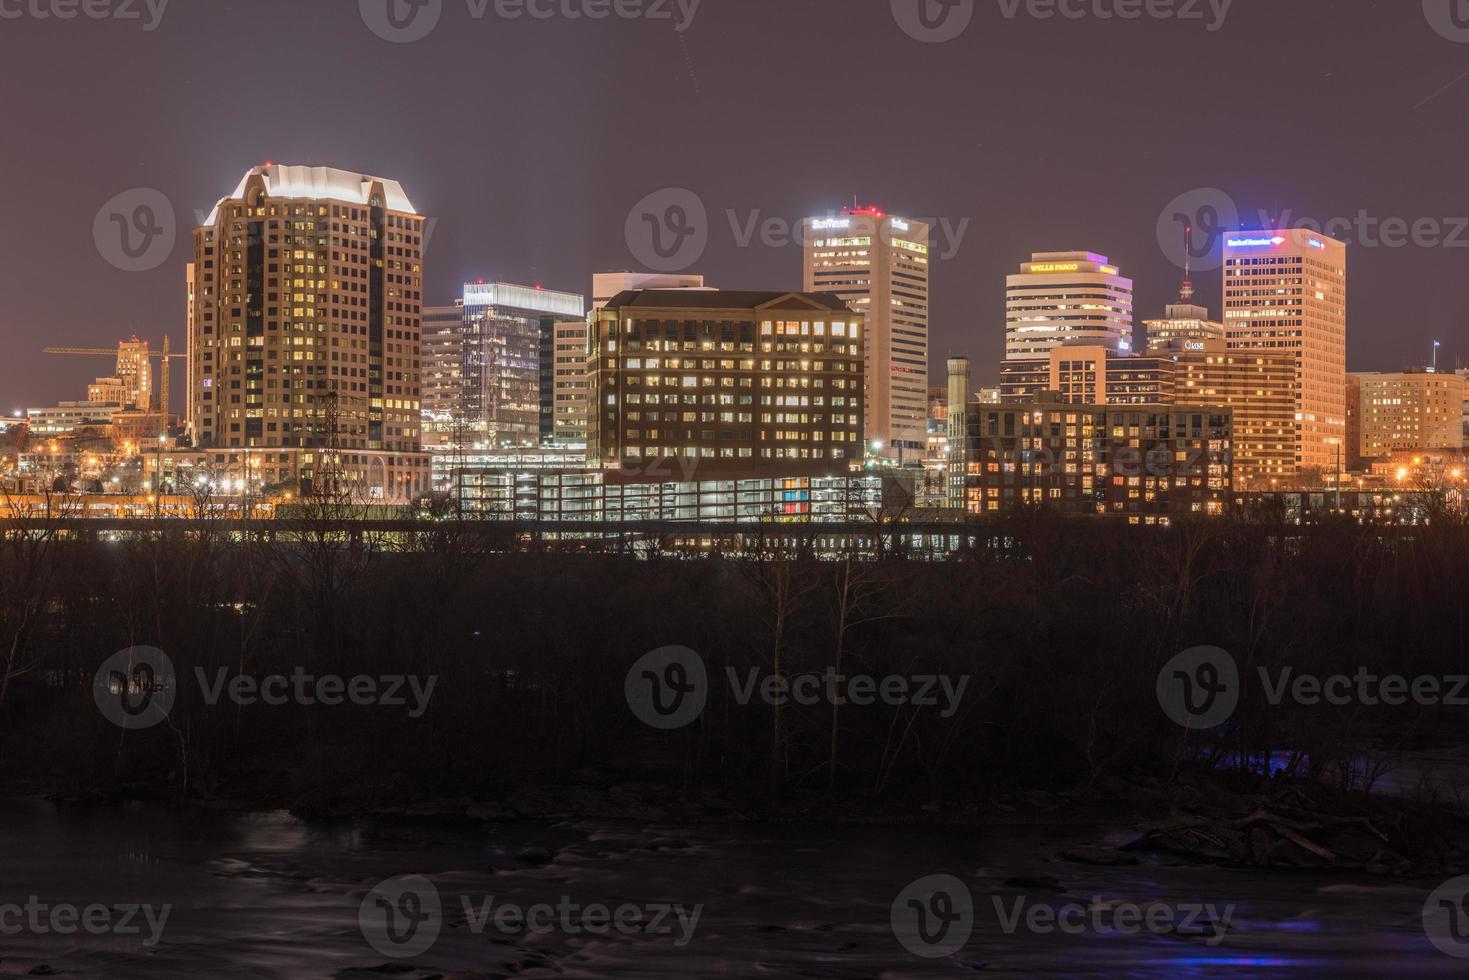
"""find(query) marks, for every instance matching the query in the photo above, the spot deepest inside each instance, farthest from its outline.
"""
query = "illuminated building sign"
(826, 224)
(1254, 242)
(1046, 268)
(1193, 345)
(900, 225)
(1315, 243)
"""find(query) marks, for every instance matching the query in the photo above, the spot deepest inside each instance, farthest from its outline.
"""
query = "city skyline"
(558, 222)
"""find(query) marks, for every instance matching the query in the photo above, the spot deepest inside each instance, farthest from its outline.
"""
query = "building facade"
(305, 330)
(1148, 464)
(1409, 411)
(744, 383)
(1285, 291)
(504, 359)
(1259, 389)
(1087, 374)
(589, 496)
(443, 374)
(569, 384)
(878, 265)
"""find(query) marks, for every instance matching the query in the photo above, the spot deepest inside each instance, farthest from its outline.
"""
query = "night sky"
(530, 140)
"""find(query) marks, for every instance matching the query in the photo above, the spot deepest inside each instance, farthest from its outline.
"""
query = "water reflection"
(266, 895)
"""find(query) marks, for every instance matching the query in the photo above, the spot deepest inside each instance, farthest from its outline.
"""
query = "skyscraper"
(1059, 299)
(1286, 291)
(443, 374)
(878, 265)
(131, 384)
(307, 285)
(488, 364)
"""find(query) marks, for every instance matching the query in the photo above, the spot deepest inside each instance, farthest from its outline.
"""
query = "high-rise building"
(569, 384)
(488, 365)
(1286, 292)
(503, 327)
(878, 265)
(733, 383)
(606, 285)
(1410, 410)
(443, 375)
(305, 330)
(1058, 299)
(131, 383)
(1062, 298)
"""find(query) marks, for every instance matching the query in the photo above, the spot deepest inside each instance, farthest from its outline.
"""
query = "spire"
(1186, 291)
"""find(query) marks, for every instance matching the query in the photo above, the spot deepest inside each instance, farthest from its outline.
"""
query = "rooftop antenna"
(1186, 292)
(1435, 356)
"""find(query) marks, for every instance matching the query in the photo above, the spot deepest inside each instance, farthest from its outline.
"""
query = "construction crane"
(166, 356)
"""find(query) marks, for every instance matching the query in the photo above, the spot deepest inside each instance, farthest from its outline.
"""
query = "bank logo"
(1192, 227)
(401, 21)
(136, 230)
(135, 688)
(933, 21)
(668, 230)
(934, 916)
(402, 917)
(668, 688)
(1450, 18)
(1199, 688)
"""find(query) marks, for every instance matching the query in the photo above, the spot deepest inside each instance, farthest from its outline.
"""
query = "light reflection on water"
(266, 895)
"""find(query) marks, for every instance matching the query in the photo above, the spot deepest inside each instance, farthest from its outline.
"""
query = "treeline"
(1056, 628)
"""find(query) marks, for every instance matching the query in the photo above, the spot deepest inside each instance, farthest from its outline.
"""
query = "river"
(268, 895)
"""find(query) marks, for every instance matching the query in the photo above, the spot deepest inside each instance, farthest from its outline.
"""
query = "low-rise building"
(1409, 411)
(1147, 463)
